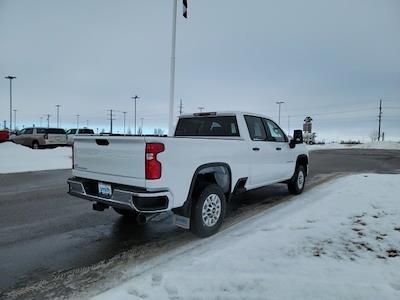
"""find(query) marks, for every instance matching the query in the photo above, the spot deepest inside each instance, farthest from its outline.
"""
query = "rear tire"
(297, 182)
(208, 211)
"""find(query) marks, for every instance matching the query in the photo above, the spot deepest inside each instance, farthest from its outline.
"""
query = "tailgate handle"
(102, 142)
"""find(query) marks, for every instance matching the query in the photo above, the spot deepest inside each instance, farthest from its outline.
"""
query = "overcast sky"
(332, 60)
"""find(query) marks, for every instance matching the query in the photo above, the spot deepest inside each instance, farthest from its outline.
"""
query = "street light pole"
(279, 117)
(58, 115)
(135, 98)
(141, 130)
(77, 123)
(10, 78)
(15, 119)
(124, 112)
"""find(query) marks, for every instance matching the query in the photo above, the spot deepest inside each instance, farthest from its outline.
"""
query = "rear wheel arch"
(212, 173)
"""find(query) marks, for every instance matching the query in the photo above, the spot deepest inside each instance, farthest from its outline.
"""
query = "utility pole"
(10, 78)
(4, 124)
(111, 120)
(77, 123)
(380, 120)
(172, 71)
(48, 120)
(201, 108)
(135, 98)
(58, 115)
(279, 118)
(124, 112)
(141, 126)
(180, 108)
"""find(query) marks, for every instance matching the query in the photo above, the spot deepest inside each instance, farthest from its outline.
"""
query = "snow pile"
(377, 145)
(16, 158)
(338, 241)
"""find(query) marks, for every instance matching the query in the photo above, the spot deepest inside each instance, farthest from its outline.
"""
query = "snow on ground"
(340, 240)
(376, 145)
(16, 158)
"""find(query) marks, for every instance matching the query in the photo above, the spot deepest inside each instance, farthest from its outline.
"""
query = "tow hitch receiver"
(99, 206)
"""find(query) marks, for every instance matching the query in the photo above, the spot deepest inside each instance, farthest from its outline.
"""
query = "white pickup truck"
(211, 157)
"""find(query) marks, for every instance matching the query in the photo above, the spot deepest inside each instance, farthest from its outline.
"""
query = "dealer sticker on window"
(105, 189)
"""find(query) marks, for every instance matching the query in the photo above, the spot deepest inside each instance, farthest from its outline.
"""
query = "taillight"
(153, 166)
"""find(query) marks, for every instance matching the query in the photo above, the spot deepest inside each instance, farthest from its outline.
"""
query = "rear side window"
(207, 126)
(55, 131)
(276, 134)
(256, 128)
(28, 131)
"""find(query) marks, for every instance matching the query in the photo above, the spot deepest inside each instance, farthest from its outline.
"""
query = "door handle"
(279, 148)
(256, 149)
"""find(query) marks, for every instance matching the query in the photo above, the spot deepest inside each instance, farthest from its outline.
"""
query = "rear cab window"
(86, 131)
(221, 126)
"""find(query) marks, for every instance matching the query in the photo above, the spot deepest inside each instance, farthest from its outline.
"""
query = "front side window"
(275, 133)
(256, 128)
(40, 130)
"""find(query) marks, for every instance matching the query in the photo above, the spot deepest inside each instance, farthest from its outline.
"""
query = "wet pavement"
(45, 233)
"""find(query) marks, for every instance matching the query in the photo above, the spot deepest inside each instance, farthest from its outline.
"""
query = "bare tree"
(374, 135)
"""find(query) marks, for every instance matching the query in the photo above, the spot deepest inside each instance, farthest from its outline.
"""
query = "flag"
(185, 8)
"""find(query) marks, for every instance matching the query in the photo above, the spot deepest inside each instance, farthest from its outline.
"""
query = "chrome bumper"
(122, 198)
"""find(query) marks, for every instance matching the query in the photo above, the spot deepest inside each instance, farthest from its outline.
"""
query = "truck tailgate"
(110, 158)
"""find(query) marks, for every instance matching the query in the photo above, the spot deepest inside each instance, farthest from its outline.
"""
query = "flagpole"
(172, 71)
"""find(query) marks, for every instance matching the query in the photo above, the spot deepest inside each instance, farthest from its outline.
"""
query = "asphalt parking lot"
(44, 232)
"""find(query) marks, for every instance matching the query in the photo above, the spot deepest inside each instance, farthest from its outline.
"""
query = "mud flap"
(181, 221)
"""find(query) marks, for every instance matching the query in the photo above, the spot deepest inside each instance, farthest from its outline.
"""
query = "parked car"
(4, 135)
(37, 137)
(211, 158)
(71, 133)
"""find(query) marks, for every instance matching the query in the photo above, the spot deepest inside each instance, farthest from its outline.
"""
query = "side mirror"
(297, 138)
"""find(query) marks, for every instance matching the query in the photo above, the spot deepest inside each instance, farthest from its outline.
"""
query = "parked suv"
(71, 133)
(37, 137)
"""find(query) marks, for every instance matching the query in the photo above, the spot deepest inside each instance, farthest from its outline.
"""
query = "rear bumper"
(124, 197)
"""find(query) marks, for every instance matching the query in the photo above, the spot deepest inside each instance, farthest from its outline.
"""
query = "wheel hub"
(211, 210)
